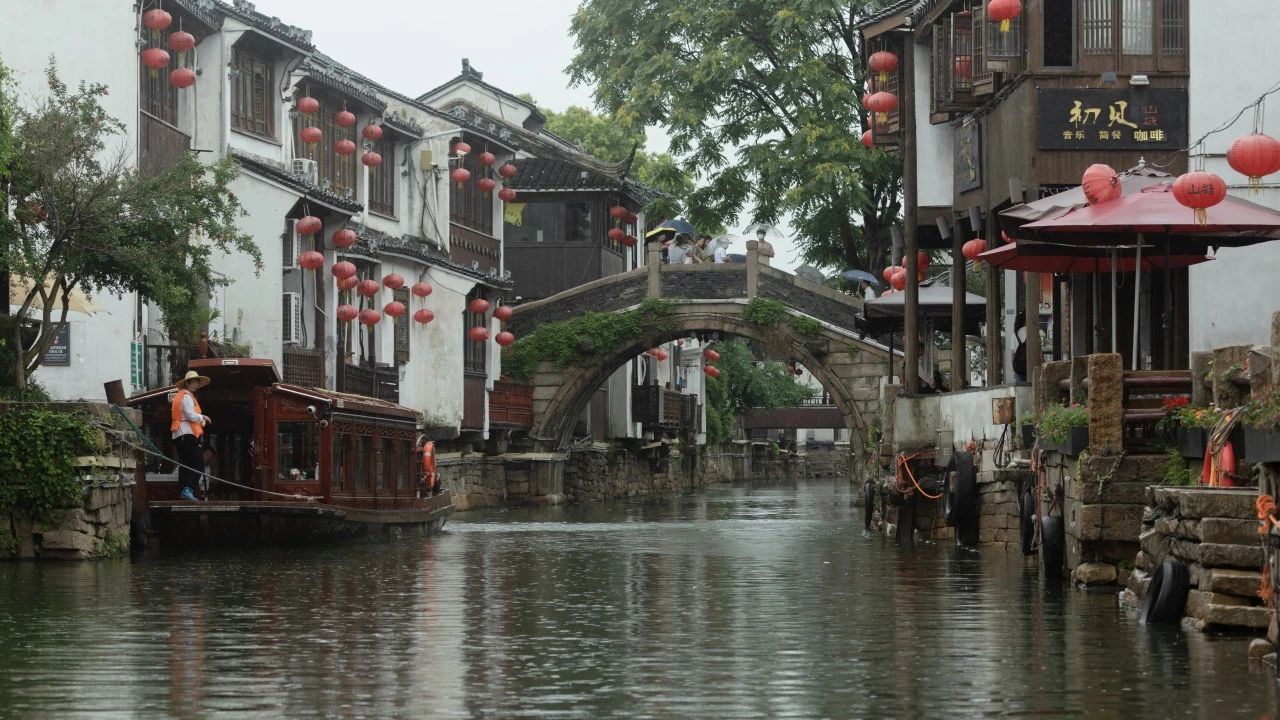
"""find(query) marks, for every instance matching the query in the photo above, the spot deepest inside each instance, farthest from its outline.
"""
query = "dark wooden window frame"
(254, 103)
(338, 170)
(400, 329)
(469, 207)
(475, 355)
(382, 180)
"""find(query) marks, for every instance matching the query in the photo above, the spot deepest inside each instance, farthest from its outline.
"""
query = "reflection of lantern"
(503, 312)
(182, 77)
(372, 133)
(1100, 184)
(347, 313)
(882, 62)
(311, 260)
(504, 338)
(424, 316)
(1199, 191)
(394, 281)
(344, 238)
(882, 103)
(711, 371)
(371, 159)
(369, 316)
(867, 139)
(310, 135)
(394, 309)
(308, 225)
(1003, 11)
(479, 306)
(343, 269)
(1254, 156)
(972, 249)
(307, 105)
(367, 287)
(478, 333)
(421, 289)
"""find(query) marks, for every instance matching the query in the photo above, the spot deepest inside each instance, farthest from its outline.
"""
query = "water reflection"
(738, 602)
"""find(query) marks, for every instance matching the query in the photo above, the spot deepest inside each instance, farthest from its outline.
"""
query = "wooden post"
(959, 358)
(753, 267)
(653, 259)
(1031, 307)
(911, 306)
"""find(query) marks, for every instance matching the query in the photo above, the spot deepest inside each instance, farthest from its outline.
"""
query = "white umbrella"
(771, 233)
(809, 272)
(723, 241)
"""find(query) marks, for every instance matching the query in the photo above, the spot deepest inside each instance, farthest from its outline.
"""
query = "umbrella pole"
(1137, 299)
(1115, 347)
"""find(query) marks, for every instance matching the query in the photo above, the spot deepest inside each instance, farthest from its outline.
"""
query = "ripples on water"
(735, 603)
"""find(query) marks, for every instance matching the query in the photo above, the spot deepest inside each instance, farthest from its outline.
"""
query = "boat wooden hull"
(224, 524)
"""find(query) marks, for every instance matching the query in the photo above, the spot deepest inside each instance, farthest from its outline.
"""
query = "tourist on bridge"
(187, 425)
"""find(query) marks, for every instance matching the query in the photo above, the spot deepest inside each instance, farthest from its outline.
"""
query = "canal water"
(765, 602)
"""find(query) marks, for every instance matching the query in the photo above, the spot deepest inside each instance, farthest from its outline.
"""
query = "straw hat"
(192, 375)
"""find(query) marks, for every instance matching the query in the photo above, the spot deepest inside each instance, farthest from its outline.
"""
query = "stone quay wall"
(827, 460)
(97, 527)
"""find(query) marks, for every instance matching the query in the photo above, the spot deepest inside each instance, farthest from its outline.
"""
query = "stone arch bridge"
(711, 298)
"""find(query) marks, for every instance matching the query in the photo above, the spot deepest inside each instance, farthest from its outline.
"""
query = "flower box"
(1263, 446)
(1077, 441)
(1192, 441)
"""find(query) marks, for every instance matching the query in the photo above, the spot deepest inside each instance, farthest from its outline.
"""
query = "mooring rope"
(294, 496)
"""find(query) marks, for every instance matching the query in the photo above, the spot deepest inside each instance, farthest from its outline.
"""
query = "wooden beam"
(911, 309)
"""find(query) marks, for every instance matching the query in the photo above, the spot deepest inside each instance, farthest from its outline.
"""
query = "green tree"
(761, 100)
(746, 382)
(83, 219)
(614, 142)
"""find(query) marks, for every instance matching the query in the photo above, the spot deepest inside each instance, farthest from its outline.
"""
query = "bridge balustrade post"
(753, 268)
(653, 259)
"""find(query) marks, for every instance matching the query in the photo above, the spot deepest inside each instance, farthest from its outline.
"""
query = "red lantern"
(711, 371)
(307, 105)
(632, 218)
(507, 170)
(372, 133)
(888, 272)
(1003, 11)
(867, 139)
(344, 238)
(882, 62)
(504, 338)
(369, 316)
(394, 309)
(711, 355)
(630, 241)
(181, 42)
(367, 287)
(972, 249)
(394, 281)
(347, 313)
(618, 212)
(182, 77)
(343, 270)
(421, 289)
(487, 158)
(344, 147)
(963, 67)
(1100, 184)
(616, 234)
(1199, 190)
(371, 159)
(882, 103)
(503, 312)
(460, 175)
(922, 260)
(157, 19)
(308, 225)
(424, 316)
(348, 283)
(506, 194)
(1254, 156)
(310, 135)
(343, 118)
(478, 306)
(486, 185)
(155, 58)
(899, 279)
(311, 260)
(478, 333)
(461, 148)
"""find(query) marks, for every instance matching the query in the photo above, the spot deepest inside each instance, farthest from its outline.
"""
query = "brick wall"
(610, 296)
(710, 282)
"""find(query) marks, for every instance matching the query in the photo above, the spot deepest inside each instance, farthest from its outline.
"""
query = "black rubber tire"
(1052, 540)
(1026, 519)
(1167, 594)
(964, 490)
(868, 503)
(948, 499)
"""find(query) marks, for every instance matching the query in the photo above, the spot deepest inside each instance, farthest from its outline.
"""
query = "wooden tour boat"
(301, 465)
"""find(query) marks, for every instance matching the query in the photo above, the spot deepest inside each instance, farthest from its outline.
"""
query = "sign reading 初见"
(1120, 119)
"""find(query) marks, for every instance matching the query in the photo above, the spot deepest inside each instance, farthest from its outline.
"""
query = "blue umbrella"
(675, 225)
(856, 275)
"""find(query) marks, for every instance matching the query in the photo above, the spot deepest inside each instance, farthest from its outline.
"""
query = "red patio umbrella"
(1058, 259)
(1131, 181)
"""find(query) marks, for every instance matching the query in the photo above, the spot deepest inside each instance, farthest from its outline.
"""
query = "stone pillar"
(1106, 404)
(753, 268)
(653, 259)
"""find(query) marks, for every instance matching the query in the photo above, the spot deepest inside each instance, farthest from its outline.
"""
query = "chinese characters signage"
(968, 157)
(1121, 119)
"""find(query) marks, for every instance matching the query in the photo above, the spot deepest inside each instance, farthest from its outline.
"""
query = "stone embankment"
(97, 527)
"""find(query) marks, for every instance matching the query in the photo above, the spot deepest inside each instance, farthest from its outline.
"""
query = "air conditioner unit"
(291, 331)
(290, 247)
(306, 169)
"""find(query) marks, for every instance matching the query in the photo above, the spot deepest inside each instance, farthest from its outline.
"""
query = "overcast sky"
(412, 46)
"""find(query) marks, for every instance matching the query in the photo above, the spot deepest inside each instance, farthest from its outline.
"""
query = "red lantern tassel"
(1004, 26)
(884, 77)
(1202, 216)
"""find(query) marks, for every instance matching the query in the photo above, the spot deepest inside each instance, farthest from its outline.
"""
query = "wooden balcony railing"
(379, 382)
(303, 366)
(511, 405)
(653, 405)
(160, 144)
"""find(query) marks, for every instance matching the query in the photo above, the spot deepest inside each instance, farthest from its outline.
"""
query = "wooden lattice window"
(253, 90)
(401, 331)
(337, 171)
(474, 354)
(468, 206)
(158, 97)
(1173, 28)
(382, 179)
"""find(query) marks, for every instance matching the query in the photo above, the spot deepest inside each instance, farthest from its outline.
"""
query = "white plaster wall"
(435, 365)
(968, 412)
(253, 299)
(31, 31)
(934, 183)
(499, 107)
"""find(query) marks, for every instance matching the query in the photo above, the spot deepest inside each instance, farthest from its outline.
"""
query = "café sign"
(1120, 119)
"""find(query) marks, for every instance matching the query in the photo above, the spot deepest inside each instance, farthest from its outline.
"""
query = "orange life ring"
(429, 464)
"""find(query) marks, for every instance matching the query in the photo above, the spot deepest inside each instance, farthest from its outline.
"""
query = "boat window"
(403, 461)
(384, 464)
(298, 451)
(341, 456)
(364, 457)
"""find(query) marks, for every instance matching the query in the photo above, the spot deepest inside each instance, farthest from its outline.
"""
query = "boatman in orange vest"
(187, 425)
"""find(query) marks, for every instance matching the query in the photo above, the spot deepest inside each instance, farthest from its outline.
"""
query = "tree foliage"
(761, 101)
(746, 382)
(614, 142)
(84, 219)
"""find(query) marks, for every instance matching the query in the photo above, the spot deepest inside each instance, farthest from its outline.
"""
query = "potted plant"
(1261, 427)
(1190, 426)
(1064, 428)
